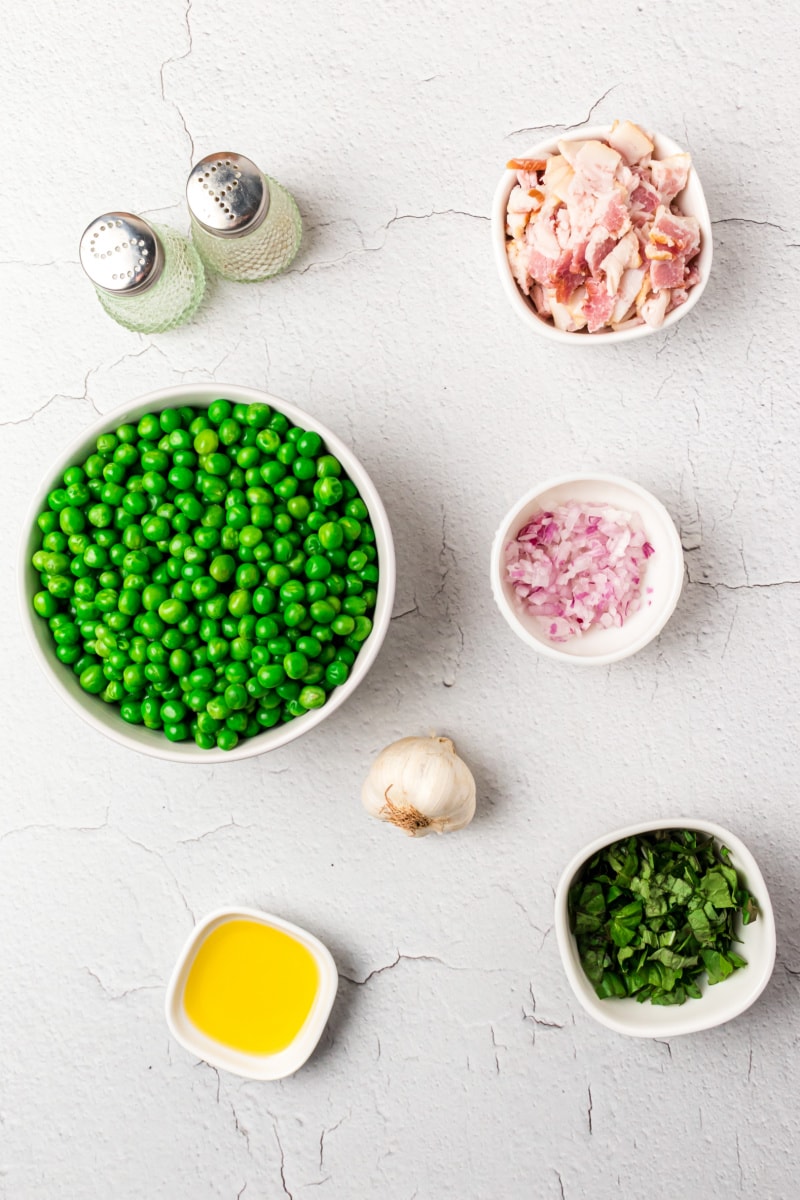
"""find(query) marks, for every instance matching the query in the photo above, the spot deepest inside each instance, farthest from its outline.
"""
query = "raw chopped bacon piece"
(598, 247)
(655, 309)
(625, 254)
(666, 274)
(558, 175)
(599, 305)
(612, 213)
(594, 237)
(644, 197)
(627, 292)
(669, 175)
(630, 141)
(680, 233)
(526, 164)
(595, 164)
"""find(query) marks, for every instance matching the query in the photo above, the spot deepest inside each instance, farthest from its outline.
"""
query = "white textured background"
(456, 1063)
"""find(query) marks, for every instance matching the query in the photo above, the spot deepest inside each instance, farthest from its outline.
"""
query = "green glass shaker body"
(147, 277)
(245, 225)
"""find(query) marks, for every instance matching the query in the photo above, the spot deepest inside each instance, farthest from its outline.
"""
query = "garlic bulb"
(420, 785)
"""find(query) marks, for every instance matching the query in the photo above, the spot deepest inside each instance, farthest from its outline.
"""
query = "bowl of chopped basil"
(665, 928)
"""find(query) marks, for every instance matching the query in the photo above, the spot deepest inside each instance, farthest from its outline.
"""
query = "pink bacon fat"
(594, 236)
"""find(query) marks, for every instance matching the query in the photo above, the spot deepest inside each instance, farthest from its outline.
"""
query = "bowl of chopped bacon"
(605, 235)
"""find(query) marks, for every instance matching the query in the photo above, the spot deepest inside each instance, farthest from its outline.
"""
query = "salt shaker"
(147, 277)
(246, 227)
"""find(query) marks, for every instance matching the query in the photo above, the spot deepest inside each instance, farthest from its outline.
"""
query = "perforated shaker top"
(227, 194)
(121, 253)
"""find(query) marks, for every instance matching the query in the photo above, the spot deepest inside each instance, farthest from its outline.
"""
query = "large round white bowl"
(105, 717)
(691, 202)
(719, 1003)
(664, 573)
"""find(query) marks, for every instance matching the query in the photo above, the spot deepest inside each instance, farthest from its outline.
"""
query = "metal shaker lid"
(227, 194)
(121, 253)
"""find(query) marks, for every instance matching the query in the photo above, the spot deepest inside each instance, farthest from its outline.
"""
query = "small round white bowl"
(105, 717)
(691, 201)
(719, 1003)
(664, 569)
(251, 1066)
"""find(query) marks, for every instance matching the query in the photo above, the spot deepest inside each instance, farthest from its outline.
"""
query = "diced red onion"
(578, 566)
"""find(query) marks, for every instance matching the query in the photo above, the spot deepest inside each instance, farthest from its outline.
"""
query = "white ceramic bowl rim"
(251, 1066)
(106, 718)
(716, 1005)
(691, 200)
(510, 525)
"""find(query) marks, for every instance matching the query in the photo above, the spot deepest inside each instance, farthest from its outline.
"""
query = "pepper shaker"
(246, 227)
(147, 277)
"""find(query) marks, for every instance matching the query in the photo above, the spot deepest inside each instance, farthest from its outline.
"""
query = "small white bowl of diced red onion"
(602, 236)
(587, 568)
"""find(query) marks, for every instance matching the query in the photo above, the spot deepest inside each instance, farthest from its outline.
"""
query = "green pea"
(72, 520)
(343, 625)
(169, 419)
(241, 649)
(336, 673)
(323, 612)
(235, 696)
(279, 645)
(317, 567)
(308, 645)
(247, 575)
(45, 604)
(219, 411)
(312, 697)
(133, 677)
(206, 441)
(267, 441)
(154, 595)
(129, 602)
(47, 522)
(218, 464)
(239, 602)
(222, 568)
(271, 472)
(304, 468)
(250, 535)
(216, 606)
(227, 739)
(356, 560)
(309, 444)
(67, 634)
(131, 711)
(257, 415)
(328, 490)
(267, 717)
(172, 710)
(93, 680)
(363, 629)
(295, 664)
(176, 731)
(218, 649)
(180, 662)
(151, 624)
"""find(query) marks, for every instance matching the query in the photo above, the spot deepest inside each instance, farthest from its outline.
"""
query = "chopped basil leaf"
(653, 914)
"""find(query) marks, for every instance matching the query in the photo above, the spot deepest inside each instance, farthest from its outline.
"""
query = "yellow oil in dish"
(251, 987)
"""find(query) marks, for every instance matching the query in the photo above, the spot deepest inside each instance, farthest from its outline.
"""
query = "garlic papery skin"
(420, 785)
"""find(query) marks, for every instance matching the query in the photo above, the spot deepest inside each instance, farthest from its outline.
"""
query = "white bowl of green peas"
(212, 579)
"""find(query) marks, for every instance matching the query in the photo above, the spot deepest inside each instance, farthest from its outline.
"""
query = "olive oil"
(251, 987)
